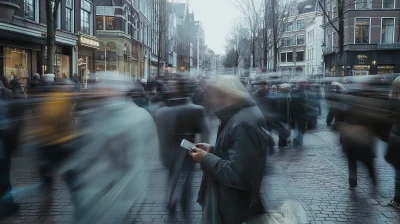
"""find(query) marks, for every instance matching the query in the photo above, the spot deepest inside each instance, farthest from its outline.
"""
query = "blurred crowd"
(95, 138)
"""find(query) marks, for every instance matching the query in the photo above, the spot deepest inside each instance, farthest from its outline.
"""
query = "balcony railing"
(395, 45)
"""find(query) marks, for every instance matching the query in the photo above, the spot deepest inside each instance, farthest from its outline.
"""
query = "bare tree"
(278, 15)
(253, 11)
(51, 16)
(238, 45)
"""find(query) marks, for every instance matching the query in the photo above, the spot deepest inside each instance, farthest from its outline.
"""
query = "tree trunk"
(341, 37)
(51, 35)
(253, 52)
(265, 33)
(274, 34)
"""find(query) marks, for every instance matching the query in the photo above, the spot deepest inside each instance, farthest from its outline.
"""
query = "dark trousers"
(9, 144)
(174, 173)
(331, 116)
(397, 187)
(365, 158)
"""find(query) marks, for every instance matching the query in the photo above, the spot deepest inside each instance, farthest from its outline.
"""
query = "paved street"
(315, 175)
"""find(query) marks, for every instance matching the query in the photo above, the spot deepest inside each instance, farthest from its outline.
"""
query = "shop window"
(387, 30)
(29, 9)
(362, 31)
(388, 4)
(100, 22)
(110, 23)
(17, 63)
(62, 68)
(86, 8)
(68, 16)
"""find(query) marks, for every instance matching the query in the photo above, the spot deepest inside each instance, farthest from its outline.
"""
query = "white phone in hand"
(187, 145)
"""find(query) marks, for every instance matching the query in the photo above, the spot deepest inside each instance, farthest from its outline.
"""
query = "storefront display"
(62, 68)
(17, 63)
(385, 69)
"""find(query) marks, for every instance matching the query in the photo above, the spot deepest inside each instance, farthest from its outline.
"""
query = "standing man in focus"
(234, 168)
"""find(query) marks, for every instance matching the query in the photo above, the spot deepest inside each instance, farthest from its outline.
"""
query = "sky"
(217, 17)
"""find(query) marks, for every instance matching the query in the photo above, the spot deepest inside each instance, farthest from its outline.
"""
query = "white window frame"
(72, 16)
(304, 42)
(369, 4)
(355, 25)
(394, 27)
(394, 5)
(297, 52)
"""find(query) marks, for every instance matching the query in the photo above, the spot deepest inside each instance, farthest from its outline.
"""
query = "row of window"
(362, 31)
(290, 41)
(297, 25)
(292, 57)
(86, 12)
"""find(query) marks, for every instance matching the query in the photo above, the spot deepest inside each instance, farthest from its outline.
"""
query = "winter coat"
(233, 171)
(106, 174)
(179, 120)
(393, 153)
(265, 103)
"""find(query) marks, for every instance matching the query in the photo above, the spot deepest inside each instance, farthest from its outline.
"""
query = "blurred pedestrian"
(264, 103)
(393, 153)
(284, 111)
(7, 205)
(180, 120)
(299, 111)
(234, 168)
(199, 95)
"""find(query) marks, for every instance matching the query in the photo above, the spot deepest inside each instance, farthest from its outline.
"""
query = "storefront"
(86, 56)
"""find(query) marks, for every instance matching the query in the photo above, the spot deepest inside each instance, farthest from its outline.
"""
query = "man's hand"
(197, 154)
(204, 146)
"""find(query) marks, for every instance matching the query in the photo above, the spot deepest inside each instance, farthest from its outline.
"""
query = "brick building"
(371, 37)
(23, 38)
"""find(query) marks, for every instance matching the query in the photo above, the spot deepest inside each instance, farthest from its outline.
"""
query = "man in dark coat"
(284, 112)
(179, 120)
(234, 168)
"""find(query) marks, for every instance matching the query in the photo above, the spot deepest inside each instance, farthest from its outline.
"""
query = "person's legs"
(330, 116)
(352, 163)
(7, 205)
(368, 161)
(301, 128)
(397, 187)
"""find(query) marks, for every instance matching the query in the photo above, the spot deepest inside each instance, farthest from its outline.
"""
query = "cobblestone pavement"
(315, 175)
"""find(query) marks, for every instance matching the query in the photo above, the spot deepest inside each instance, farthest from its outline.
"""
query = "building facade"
(314, 32)
(23, 38)
(371, 38)
(293, 44)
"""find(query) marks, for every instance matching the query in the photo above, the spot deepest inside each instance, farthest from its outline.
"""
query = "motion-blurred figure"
(7, 205)
(284, 111)
(357, 139)
(234, 168)
(393, 153)
(179, 120)
(299, 103)
(264, 103)
(199, 95)
(105, 173)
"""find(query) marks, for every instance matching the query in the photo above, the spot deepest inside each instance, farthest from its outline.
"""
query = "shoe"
(328, 124)
(394, 204)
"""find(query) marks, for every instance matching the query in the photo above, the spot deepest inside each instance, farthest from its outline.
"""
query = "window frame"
(106, 24)
(297, 24)
(33, 9)
(72, 19)
(304, 42)
(297, 56)
(89, 12)
(394, 5)
(369, 32)
(394, 28)
(369, 5)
